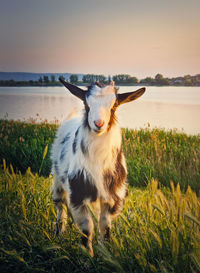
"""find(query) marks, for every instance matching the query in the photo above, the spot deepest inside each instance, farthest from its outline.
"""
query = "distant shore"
(42, 80)
(58, 84)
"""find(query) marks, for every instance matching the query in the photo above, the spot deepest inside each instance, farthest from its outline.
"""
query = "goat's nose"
(99, 123)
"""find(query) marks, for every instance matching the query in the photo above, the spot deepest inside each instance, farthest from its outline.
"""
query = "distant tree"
(89, 78)
(165, 81)
(196, 80)
(53, 78)
(148, 81)
(73, 78)
(40, 80)
(160, 80)
(133, 80)
(46, 79)
(101, 78)
(187, 80)
(12, 82)
(84, 79)
(158, 77)
(124, 79)
(109, 79)
(119, 78)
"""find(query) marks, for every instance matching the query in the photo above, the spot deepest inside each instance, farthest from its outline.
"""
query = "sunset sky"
(138, 37)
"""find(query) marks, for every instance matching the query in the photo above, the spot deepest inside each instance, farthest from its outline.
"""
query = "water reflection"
(167, 107)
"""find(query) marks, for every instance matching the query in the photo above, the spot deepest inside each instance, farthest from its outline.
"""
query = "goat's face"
(100, 104)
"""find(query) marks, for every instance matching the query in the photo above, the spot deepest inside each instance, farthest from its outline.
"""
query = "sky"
(136, 37)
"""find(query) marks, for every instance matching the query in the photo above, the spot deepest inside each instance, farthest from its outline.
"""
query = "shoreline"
(86, 84)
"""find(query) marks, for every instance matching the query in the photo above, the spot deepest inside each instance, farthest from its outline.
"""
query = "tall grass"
(22, 144)
(162, 155)
(159, 231)
(158, 154)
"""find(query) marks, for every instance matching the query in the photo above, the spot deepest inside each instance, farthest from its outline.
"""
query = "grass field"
(149, 153)
(159, 230)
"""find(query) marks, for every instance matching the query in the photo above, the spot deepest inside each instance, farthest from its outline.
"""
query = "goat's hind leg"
(60, 201)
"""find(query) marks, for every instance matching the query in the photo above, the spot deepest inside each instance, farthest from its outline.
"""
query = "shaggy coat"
(88, 163)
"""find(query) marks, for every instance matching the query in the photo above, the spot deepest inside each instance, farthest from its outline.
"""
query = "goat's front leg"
(105, 221)
(60, 201)
(84, 221)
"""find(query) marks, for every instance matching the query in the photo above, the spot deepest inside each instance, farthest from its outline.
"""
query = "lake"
(162, 107)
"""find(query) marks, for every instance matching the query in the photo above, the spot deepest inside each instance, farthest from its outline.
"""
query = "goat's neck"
(104, 146)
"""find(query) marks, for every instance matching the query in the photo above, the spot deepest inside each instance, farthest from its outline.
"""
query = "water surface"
(163, 107)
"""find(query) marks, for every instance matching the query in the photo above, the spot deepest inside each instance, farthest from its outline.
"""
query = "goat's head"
(101, 103)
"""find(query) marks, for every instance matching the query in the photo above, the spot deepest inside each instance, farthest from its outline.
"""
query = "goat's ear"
(78, 92)
(127, 97)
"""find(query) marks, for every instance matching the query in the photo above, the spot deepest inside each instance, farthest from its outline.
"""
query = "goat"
(88, 162)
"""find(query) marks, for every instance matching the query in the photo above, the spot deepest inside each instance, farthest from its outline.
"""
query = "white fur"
(100, 102)
(99, 159)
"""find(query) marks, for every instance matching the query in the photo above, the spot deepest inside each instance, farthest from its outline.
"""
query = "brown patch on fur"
(82, 188)
(113, 181)
(113, 118)
(60, 196)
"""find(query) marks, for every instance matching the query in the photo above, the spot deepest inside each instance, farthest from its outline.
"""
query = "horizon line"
(107, 75)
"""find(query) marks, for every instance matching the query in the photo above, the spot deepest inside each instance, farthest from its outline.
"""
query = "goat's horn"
(75, 90)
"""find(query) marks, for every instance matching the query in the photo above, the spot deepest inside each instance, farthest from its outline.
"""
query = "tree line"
(120, 79)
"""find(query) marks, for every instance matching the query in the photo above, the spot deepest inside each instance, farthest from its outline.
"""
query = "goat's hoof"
(91, 252)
